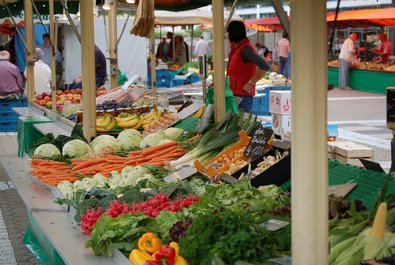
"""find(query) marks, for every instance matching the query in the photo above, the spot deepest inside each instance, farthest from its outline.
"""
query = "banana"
(198, 114)
(126, 119)
(150, 120)
(103, 120)
(138, 125)
(108, 126)
(129, 123)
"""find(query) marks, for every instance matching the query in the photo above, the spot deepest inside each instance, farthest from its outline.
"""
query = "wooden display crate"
(209, 169)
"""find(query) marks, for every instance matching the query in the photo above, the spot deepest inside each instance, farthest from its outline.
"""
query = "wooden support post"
(218, 59)
(112, 43)
(309, 133)
(53, 52)
(88, 69)
(153, 60)
(29, 49)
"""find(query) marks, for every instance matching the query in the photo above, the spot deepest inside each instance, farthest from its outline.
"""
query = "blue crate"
(8, 126)
(280, 88)
(192, 79)
(177, 82)
(8, 116)
(7, 105)
(260, 105)
(161, 74)
(163, 82)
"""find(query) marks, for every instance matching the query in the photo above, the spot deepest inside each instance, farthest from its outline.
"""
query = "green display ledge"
(364, 80)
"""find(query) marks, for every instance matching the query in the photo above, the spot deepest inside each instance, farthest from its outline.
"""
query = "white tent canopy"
(190, 17)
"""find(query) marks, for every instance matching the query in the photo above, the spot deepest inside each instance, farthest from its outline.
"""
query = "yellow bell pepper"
(138, 257)
(181, 261)
(149, 242)
(176, 248)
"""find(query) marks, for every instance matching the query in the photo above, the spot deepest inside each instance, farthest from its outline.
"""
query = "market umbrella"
(365, 17)
(271, 23)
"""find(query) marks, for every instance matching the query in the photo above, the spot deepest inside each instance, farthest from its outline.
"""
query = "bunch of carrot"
(52, 172)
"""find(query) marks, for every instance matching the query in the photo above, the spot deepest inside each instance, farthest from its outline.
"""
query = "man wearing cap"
(11, 79)
(42, 74)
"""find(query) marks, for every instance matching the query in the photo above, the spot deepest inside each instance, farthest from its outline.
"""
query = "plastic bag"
(122, 78)
(230, 100)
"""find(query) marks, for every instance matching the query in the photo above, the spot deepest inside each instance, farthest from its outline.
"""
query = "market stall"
(309, 193)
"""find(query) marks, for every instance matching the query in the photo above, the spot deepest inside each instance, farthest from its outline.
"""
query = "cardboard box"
(351, 161)
(280, 102)
(353, 150)
(281, 123)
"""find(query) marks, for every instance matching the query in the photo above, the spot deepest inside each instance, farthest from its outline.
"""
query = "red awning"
(365, 17)
(265, 24)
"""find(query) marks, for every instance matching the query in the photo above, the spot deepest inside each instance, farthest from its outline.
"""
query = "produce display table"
(364, 80)
(51, 224)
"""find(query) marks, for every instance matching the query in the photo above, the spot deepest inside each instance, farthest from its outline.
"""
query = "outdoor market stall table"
(364, 80)
(52, 223)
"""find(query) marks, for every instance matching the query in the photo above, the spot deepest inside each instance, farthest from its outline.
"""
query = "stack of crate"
(348, 152)
(8, 118)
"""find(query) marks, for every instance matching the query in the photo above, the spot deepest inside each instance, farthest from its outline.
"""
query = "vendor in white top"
(348, 53)
(202, 48)
(42, 74)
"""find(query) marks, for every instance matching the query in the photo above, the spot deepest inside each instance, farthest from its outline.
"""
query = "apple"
(59, 92)
(49, 104)
(47, 98)
(39, 97)
(41, 102)
(44, 95)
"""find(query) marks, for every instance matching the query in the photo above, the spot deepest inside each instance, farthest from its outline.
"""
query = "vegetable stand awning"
(366, 17)
(192, 17)
(264, 24)
(16, 7)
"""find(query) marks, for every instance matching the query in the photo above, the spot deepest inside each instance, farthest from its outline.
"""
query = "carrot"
(135, 152)
(158, 148)
(162, 163)
(90, 162)
(135, 161)
(174, 155)
(164, 151)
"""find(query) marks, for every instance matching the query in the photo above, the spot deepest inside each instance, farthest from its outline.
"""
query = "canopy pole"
(309, 133)
(174, 46)
(53, 52)
(88, 69)
(218, 59)
(232, 11)
(282, 15)
(29, 49)
(73, 26)
(123, 29)
(153, 61)
(113, 41)
(191, 53)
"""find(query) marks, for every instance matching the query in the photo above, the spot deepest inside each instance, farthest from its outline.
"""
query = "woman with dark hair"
(243, 62)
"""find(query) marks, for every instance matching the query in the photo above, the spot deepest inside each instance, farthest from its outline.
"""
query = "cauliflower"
(77, 185)
(134, 171)
(100, 179)
(114, 180)
(89, 183)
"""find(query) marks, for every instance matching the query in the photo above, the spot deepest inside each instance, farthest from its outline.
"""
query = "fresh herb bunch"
(232, 235)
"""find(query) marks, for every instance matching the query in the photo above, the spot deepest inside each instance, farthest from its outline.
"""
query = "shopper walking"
(242, 65)
(11, 78)
(283, 48)
(347, 56)
(42, 74)
(202, 48)
(385, 49)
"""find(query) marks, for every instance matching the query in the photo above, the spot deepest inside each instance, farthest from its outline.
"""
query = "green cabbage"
(46, 151)
(152, 139)
(76, 148)
(105, 141)
(174, 134)
(129, 138)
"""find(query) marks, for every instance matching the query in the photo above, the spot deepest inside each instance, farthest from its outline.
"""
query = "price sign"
(257, 144)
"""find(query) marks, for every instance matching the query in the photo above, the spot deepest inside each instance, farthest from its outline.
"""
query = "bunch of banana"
(132, 121)
(198, 114)
(105, 123)
(153, 116)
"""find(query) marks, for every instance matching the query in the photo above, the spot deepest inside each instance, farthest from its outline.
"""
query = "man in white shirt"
(202, 48)
(42, 74)
(347, 55)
